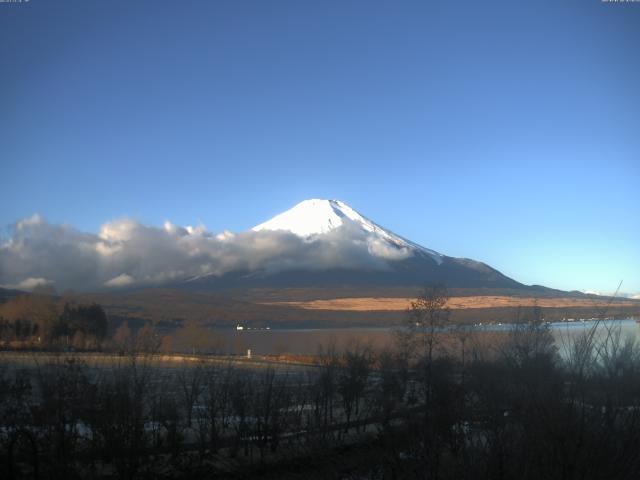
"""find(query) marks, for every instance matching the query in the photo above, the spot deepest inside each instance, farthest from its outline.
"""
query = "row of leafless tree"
(444, 404)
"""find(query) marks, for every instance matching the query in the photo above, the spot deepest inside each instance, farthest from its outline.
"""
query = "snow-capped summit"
(311, 217)
(318, 217)
(341, 247)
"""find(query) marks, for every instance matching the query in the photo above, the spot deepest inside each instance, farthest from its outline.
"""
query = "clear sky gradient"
(504, 131)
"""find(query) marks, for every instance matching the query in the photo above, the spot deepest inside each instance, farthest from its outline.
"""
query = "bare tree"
(121, 409)
(191, 381)
(429, 314)
(15, 414)
(352, 380)
(268, 404)
(123, 338)
(147, 340)
(217, 402)
(325, 387)
(64, 388)
(241, 394)
(195, 337)
(391, 385)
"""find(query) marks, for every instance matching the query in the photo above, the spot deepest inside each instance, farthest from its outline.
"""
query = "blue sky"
(508, 132)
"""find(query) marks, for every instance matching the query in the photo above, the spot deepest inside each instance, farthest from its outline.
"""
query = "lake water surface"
(307, 341)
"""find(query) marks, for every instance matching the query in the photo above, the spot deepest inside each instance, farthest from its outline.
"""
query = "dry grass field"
(368, 304)
(170, 309)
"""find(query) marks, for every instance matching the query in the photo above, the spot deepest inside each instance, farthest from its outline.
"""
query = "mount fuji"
(312, 218)
(382, 258)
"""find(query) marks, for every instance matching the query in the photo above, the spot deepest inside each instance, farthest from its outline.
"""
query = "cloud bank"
(633, 296)
(126, 253)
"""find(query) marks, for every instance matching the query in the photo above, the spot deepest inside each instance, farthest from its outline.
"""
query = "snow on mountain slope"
(315, 217)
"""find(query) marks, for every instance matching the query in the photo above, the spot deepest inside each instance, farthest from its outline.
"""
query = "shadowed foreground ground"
(507, 409)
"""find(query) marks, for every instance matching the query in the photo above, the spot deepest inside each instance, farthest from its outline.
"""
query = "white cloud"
(635, 296)
(384, 250)
(31, 221)
(127, 253)
(120, 281)
(118, 231)
(29, 283)
(592, 292)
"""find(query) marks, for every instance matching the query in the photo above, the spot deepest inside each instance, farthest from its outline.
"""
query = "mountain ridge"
(399, 261)
(317, 216)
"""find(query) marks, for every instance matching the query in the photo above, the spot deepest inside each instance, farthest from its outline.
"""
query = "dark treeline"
(45, 321)
(81, 326)
(437, 406)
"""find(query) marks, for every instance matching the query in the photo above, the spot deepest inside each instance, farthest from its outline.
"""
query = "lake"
(307, 341)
